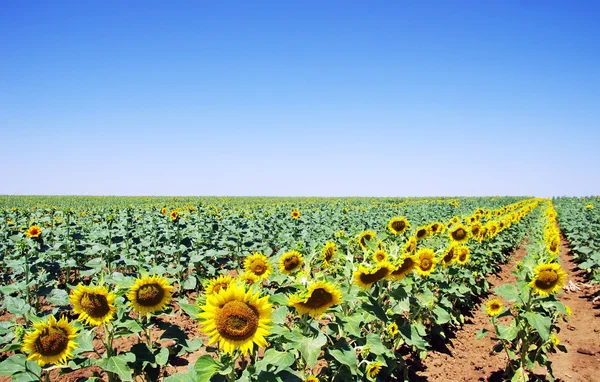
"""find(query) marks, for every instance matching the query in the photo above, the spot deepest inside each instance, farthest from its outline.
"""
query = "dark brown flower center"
(329, 253)
(407, 265)
(398, 225)
(459, 234)
(258, 268)
(546, 279)
(52, 342)
(95, 305)
(554, 245)
(449, 256)
(291, 263)
(421, 233)
(318, 298)
(426, 263)
(364, 238)
(494, 306)
(220, 286)
(370, 278)
(236, 321)
(150, 295)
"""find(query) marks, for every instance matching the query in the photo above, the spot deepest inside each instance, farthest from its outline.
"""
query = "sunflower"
(150, 294)
(173, 215)
(463, 253)
(311, 378)
(403, 267)
(364, 237)
(95, 305)
(295, 214)
(493, 307)
(290, 261)
(436, 227)
(51, 342)
(553, 245)
(235, 318)
(392, 329)
(492, 228)
(364, 277)
(449, 256)
(34, 232)
(259, 265)
(379, 256)
(218, 283)
(398, 225)
(328, 252)
(248, 278)
(373, 369)
(411, 245)
(422, 232)
(315, 300)
(425, 261)
(555, 340)
(475, 228)
(459, 233)
(548, 278)
(163, 210)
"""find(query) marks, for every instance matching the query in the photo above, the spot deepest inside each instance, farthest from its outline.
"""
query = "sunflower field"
(266, 289)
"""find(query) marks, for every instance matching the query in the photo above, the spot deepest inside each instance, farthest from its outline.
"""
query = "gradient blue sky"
(323, 98)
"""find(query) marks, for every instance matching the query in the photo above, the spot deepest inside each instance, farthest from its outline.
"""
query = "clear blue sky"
(324, 98)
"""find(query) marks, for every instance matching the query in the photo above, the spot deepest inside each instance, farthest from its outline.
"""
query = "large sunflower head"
(404, 266)
(379, 256)
(449, 256)
(259, 265)
(463, 253)
(364, 237)
(493, 307)
(425, 261)
(315, 300)
(94, 304)
(218, 283)
(34, 232)
(422, 232)
(290, 262)
(398, 225)
(150, 294)
(236, 319)
(364, 277)
(547, 279)
(328, 252)
(458, 233)
(51, 342)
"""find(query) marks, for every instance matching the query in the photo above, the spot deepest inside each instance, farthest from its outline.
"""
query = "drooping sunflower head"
(379, 256)
(493, 307)
(463, 253)
(553, 244)
(411, 245)
(436, 227)
(295, 214)
(34, 232)
(364, 237)
(373, 369)
(475, 229)
(492, 228)
(290, 262)
(404, 266)
(458, 233)
(425, 261)
(259, 265)
(422, 232)
(364, 277)
(150, 294)
(316, 299)
(449, 256)
(94, 304)
(328, 252)
(236, 319)
(51, 342)
(547, 279)
(247, 278)
(398, 225)
(218, 283)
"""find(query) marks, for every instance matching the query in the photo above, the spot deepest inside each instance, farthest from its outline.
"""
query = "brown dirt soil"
(469, 359)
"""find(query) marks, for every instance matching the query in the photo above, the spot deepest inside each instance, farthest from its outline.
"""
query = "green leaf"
(85, 342)
(162, 357)
(346, 357)
(509, 332)
(116, 365)
(442, 316)
(205, 368)
(481, 333)
(58, 297)
(278, 299)
(12, 365)
(277, 358)
(310, 347)
(508, 291)
(191, 310)
(539, 323)
(190, 283)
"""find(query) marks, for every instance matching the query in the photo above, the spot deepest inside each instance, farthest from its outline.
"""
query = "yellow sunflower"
(449, 256)
(218, 283)
(173, 215)
(51, 342)
(553, 245)
(458, 233)
(398, 225)
(373, 369)
(248, 278)
(328, 252)
(163, 210)
(259, 265)
(236, 319)
(290, 262)
(404, 266)
(364, 277)
(150, 294)
(422, 232)
(311, 378)
(547, 279)
(555, 340)
(379, 256)
(94, 304)
(425, 261)
(295, 214)
(463, 253)
(475, 228)
(34, 232)
(392, 329)
(411, 245)
(493, 307)
(435, 227)
(364, 237)
(316, 299)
